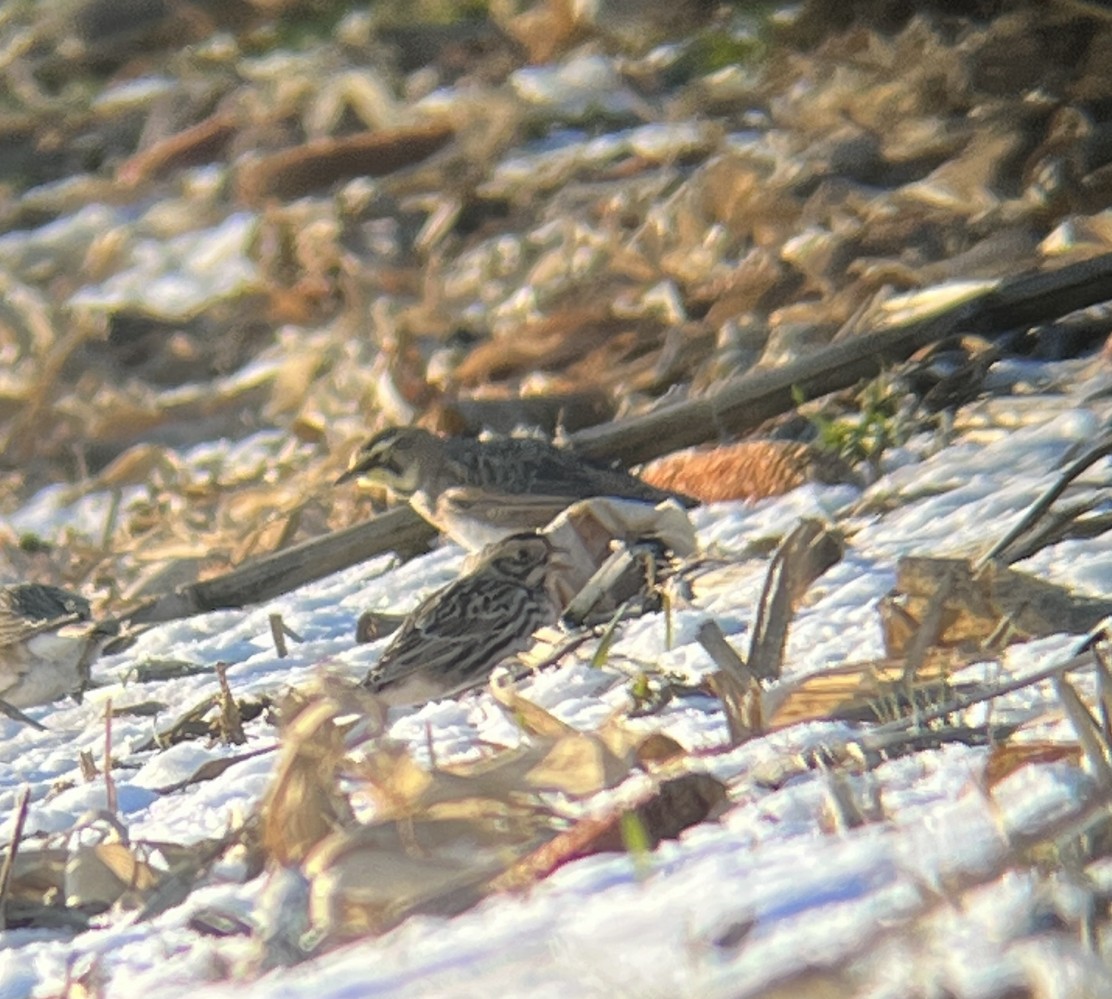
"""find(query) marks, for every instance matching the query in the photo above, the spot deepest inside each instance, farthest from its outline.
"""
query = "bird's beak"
(357, 468)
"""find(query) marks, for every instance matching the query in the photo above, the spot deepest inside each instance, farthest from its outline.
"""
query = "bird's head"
(396, 459)
(525, 558)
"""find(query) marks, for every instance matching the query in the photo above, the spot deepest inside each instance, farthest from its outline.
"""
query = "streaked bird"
(479, 491)
(48, 642)
(459, 634)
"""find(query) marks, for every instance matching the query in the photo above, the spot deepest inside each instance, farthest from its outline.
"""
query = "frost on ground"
(950, 867)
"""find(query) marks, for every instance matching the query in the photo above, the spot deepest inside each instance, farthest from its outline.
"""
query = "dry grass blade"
(806, 553)
(1079, 522)
(928, 631)
(874, 750)
(231, 720)
(13, 847)
(712, 639)
(1099, 450)
(734, 684)
(531, 717)
(1089, 733)
(609, 633)
(211, 769)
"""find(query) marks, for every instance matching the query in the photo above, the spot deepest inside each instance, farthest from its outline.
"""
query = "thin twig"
(111, 518)
(278, 634)
(13, 847)
(231, 721)
(926, 635)
(109, 780)
(1087, 729)
(1099, 450)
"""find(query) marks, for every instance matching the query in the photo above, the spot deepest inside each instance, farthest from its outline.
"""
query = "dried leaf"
(1006, 759)
(532, 718)
(673, 806)
(369, 879)
(98, 876)
(861, 691)
(303, 803)
(977, 607)
(578, 764)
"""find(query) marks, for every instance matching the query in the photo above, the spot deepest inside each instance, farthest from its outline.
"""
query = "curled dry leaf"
(99, 876)
(664, 813)
(303, 803)
(368, 879)
(1006, 759)
(578, 764)
(586, 531)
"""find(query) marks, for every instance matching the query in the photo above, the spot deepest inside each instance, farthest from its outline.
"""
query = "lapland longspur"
(461, 632)
(48, 642)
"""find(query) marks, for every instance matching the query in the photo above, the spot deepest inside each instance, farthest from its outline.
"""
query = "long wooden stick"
(738, 405)
(743, 403)
(399, 530)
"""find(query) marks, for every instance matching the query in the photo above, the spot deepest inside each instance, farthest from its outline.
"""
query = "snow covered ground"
(772, 893)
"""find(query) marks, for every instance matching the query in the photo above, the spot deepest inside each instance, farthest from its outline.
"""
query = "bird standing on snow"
(462, 631)
(48, 642)
(480, 491)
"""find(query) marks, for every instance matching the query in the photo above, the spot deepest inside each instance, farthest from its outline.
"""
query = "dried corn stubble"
(858, 691)
(998, 604)
(368, 879)
(443, 836)
(303, 803)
